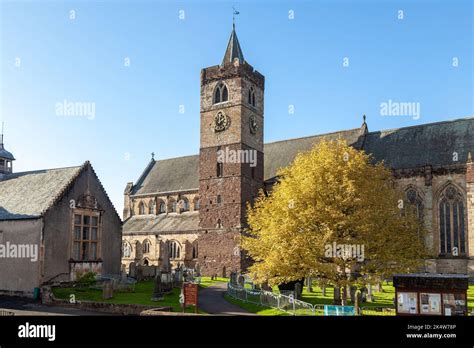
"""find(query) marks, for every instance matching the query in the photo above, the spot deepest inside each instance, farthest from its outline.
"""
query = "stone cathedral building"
(193, 208)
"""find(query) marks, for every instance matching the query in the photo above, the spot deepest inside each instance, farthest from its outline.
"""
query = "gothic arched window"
(141, 208)
(251, 97)
(452, 238)
(162, 207)
(195, 251)
(146, 246)
(415, 203)
(221, 93)
(175, 250)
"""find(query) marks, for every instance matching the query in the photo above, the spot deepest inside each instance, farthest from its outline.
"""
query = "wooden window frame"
(91, 214)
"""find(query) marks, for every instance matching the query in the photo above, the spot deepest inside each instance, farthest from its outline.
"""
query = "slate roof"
(174, 174)
(233, 49)
(173, 222)
(432, 143)
(403, 148)
(29, 194)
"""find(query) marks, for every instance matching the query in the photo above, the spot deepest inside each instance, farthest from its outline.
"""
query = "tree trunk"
(352, 293)
(370, 296)
(309, 284)
(357, 302)
(323, 289)
(344, 296)
(337, 296)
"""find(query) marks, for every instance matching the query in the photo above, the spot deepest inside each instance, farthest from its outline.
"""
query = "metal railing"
(285, 303)
(5, 313)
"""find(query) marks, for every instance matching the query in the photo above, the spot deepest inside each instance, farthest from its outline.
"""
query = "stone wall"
(185, 240)
(19, 276)
(430, 187)
(58, 234)
(219, 252)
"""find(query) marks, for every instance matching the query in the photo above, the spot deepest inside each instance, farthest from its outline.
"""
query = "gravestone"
(139, 276)
(298, 291)
(133, 270)
(123, 276)
(108, 291)
(158, 289)
(165, 264)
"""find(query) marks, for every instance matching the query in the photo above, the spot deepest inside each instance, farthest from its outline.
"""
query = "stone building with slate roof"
(192, 208)
(54, 225)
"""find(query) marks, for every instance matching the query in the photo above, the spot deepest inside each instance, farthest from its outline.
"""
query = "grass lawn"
(141, 296)
(207, 282)
(381, 299)
(253, 308)
(470, 299)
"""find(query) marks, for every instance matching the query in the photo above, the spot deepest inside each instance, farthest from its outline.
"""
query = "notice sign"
(190, 292)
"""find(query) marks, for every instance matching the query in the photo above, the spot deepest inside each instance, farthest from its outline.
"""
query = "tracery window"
(452, 238)
(175, 250)
(221, 93)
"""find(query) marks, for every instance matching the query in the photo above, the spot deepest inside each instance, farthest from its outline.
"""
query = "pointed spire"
(364, 129)
(233, 49)
(1, 139)
(4, 154)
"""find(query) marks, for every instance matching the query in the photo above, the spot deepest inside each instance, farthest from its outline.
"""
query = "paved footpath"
(211, 300)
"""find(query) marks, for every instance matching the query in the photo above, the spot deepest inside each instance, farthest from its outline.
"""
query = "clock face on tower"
(253, 124)
(221, 122)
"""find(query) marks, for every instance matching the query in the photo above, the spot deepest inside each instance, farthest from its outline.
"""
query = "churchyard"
(382, 303)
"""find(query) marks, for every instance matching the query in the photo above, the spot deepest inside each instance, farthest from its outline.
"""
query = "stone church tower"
(230, 157)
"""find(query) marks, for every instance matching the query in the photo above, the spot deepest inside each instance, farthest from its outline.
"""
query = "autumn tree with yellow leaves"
(333, 196)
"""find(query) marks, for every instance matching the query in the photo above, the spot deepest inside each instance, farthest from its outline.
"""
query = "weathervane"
(234, 13)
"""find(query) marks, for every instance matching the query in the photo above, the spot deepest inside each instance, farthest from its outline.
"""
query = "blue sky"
(137, 107)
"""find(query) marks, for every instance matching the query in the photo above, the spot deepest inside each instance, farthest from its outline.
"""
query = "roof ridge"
(104, 191)
(423, 125)
(47, 169)
(312, 136)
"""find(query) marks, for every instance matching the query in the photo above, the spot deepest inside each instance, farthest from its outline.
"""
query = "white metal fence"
(285, 303)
